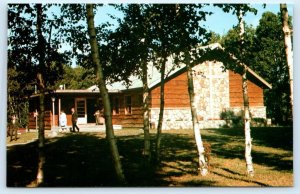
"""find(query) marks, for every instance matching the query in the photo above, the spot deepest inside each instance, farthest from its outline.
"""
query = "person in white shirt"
(63, 121)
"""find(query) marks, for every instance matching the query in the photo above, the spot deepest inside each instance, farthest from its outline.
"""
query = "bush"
(232, 119)
(258, 122)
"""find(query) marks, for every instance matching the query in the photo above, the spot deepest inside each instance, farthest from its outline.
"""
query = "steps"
(88, 128)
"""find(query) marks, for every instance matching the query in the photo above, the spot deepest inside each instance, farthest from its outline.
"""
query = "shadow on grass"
(80, 160)
(83, 160)
(240, 179)
(278, 138)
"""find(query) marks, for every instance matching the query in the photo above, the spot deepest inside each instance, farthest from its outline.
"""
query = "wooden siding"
(48, 121)
(255, 93)
(135, 119)
(176, 93)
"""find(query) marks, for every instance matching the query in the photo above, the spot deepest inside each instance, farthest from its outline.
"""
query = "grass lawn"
(83, 159)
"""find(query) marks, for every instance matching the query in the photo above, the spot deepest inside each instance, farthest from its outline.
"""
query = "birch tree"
(203, 166)
(239, 10)
(248, 139)
(104, 93)
(41, 86)
(288, 46)
(189, 41)
(132, 49)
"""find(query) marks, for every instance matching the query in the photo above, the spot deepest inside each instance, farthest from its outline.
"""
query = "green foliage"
(227, 114)
(232, 119)
(258, 122)
(76, 78)
(25, 49)
(214, 38)
(264, 53)
(270, 62)
(231, 41)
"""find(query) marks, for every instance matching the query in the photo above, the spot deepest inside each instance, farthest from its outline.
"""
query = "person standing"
(97, 117)
(13, 128)
(63, 120)
(74, 120)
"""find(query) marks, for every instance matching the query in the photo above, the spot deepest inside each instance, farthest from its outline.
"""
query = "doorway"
(80, 106)
(91, 109)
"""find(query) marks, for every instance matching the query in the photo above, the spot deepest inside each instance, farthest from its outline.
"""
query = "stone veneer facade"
(211, 86)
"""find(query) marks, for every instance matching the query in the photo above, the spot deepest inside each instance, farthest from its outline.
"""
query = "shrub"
(232, 119)
(258, 122)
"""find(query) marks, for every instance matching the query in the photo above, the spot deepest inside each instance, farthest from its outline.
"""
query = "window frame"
(116, 109)
(127, 105)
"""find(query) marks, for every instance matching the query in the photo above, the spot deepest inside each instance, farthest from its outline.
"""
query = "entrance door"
(91, 105)
(81, 110)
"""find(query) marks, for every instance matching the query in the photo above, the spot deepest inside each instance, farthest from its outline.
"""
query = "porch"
(90, 127)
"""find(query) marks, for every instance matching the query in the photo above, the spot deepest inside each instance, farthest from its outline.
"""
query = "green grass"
(83, 159)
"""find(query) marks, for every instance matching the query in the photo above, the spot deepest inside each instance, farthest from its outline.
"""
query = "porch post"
(53, 112)
(59, 107)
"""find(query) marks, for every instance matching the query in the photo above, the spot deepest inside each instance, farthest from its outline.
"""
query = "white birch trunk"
(288, 46)
(248, 139)
(203, 167)
(247, 129)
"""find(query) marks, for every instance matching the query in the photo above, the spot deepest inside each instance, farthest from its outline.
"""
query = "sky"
(219, 22)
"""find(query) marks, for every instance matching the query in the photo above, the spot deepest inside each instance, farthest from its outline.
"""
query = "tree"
(270, 62)
(83, 36)
(240, 10)
(174, 28)
(265, 54)
(135, 54)
(288, 46)
(76, 78)
(30, 53)
(104, 94)
(153, 34)
(41, 87)
(191, 35)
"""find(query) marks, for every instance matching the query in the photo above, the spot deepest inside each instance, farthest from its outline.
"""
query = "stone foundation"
(175, 118)
(256, 112)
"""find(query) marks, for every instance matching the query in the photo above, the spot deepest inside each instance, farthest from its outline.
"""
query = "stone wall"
(211, 87)
(174, 118)
(180, 118)
(255, 112)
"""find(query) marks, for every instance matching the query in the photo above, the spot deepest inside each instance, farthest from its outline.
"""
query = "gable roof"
(171, 71)
(250, 72)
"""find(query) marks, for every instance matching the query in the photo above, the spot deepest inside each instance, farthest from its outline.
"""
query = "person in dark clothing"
(74, 120)
(13, 128)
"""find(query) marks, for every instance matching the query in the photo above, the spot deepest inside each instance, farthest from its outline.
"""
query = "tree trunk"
(104, 94)
(248, 139)
(41, 86)
(288, 46)
(161, 110)
(247, 130)
(203, 167)
(147, 143)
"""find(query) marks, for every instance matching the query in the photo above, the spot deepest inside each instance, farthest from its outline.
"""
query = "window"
(128, 105)
(116, 107)
(80, 107)
(140, 100)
